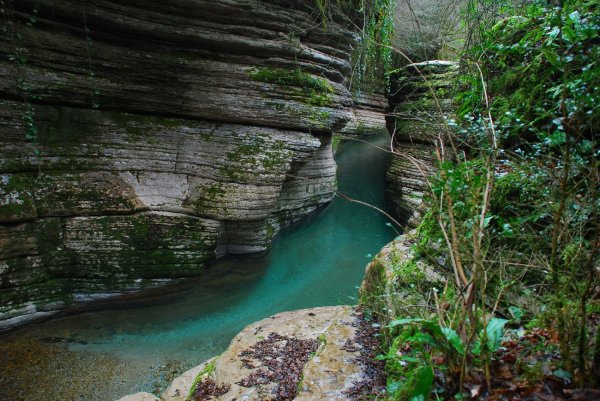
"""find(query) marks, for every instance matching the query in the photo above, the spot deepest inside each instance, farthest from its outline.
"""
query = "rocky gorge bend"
(142, 141)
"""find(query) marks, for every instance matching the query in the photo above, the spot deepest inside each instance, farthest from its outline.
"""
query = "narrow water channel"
(103, 355)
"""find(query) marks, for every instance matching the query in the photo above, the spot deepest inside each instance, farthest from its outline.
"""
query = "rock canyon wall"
(142, 140)
(420, 100)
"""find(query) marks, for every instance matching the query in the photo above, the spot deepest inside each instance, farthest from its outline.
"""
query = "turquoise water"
(102, 355)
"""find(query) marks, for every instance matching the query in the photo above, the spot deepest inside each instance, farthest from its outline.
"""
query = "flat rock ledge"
(309, 354)
(140, 397)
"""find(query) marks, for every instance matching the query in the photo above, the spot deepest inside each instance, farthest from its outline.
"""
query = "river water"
(102, 355)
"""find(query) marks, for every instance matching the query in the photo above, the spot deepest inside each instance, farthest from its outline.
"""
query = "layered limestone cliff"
(420, 100)
(368, 115)
(141, 140)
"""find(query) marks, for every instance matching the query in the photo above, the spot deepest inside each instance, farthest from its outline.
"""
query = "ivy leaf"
(423, 384)
(494, 331)
(556, 91)
(569, 34)
(516, 312)
(552, 57)
(507, 230)
(486, 221)
(575, 16)
(563, 374)
(553, 34)
(454, 339)
(556, 138)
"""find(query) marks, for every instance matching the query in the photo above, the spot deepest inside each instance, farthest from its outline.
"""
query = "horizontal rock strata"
(368, 115)
(141, 141)
(419, 103)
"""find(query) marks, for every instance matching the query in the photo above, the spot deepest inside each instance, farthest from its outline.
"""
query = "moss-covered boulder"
(398, 283)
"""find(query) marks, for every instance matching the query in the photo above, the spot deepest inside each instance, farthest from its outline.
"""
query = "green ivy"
(373, 57)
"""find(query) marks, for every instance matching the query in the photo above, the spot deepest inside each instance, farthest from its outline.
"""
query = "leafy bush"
(543, 77)
(516, 205)
(540, 72)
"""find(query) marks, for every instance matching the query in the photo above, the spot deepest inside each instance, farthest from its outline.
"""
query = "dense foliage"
(374, 20)
(513, 210)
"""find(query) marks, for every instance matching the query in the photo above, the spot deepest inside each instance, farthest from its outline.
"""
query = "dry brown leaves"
(282, 360)
(209, 388)
(366, 343)
(526, 369)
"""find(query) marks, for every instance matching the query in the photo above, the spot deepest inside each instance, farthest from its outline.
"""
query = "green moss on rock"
(123, 249)
(313, 90)
(41, 294)
(396, 282)
(16, 200)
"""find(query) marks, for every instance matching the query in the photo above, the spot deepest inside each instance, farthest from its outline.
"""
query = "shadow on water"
(102, 355)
